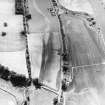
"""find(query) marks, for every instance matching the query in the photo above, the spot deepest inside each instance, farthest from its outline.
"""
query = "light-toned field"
(12, 41)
